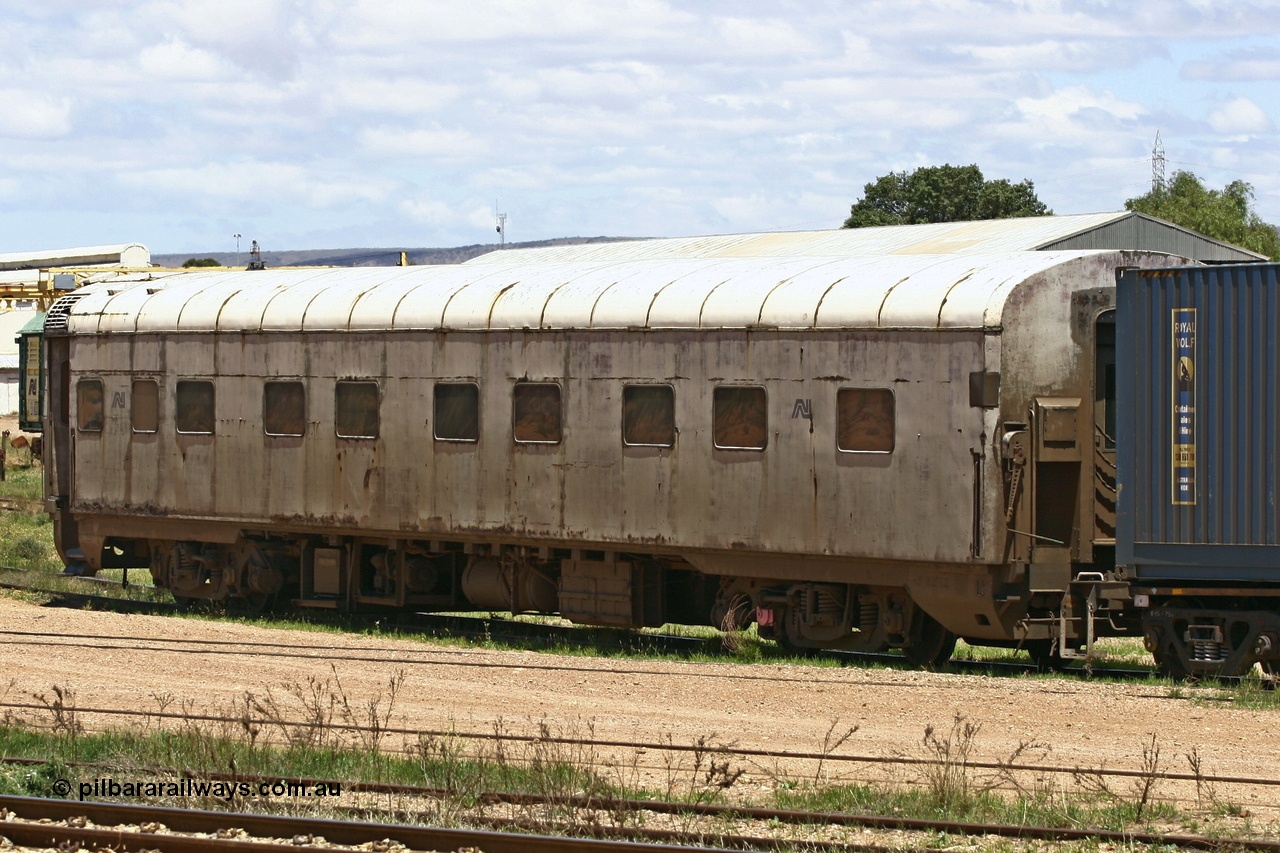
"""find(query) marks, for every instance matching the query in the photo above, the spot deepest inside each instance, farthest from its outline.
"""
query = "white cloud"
(395, 96)
(257, 182)
(30, 115)
(765, 37)
(1253, 64)
(1240, 115)
(428, 211)
(1075, 112)
(263, 37)
(176, 60)
(392, 118)
(422, 142)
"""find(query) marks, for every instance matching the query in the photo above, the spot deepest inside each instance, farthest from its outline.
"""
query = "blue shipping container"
(1197, 366)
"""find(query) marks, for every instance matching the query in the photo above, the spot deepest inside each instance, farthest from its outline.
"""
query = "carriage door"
(60, 451)
(1057, 454)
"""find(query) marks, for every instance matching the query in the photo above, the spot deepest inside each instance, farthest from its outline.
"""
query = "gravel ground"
(749, 705)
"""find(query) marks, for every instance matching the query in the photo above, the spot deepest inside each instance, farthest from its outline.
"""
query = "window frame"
(740, 386)
(177, 390)
(672, 391)
(559, 412)
(377, 411)
(133, 403)
(435, 409)
(284, 381)
(893, 422)
(85, 382)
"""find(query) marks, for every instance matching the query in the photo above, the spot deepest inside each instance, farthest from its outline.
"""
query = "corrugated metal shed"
(905, 291)
(1099, 231)
(124, 255)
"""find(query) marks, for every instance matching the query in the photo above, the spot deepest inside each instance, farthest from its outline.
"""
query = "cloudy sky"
(339, 123)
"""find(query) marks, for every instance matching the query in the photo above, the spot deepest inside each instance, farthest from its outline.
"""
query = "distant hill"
(369, 257)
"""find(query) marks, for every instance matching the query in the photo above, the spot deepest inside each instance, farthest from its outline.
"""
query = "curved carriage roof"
(897, 291)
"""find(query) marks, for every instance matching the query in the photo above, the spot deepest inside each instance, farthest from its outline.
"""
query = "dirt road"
(752, 705)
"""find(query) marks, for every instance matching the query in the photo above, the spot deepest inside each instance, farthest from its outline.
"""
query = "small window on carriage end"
(740, 420)
(457, 411)
(145, 406)
(535, 413)
(865, 420)
(89, 405)
(648, 415)
(284, 408)
(193, 407)
(355, 409)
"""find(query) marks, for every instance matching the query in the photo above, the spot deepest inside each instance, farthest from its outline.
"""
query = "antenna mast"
(1157, 165)
(502, 227)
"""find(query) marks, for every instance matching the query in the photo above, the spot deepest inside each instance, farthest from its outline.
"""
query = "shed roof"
(893, 291)
(1119, 230)
(123, 254)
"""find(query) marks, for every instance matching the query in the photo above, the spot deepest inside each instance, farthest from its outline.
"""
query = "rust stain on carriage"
(333, 520)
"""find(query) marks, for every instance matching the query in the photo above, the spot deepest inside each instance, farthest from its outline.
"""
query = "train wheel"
(248, 603)
(931, 644)
(1270, 673)
(1170, 665)
(789, 647)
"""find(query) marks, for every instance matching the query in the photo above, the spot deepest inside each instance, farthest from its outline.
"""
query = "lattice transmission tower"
(1157, 165)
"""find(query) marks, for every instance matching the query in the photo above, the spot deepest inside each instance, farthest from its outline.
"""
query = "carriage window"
(740, 420)
(457, 411)
(649, 415)
(89, 405)
(355, 409)
(865, 420)
(284, 408)
(535, 413)
(146, 405)
(194, 407)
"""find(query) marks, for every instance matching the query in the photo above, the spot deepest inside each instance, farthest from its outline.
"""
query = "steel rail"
(725, 749)
(188, 820)
(200, 647)
(789, 816)
(516, 632)
(338, 832)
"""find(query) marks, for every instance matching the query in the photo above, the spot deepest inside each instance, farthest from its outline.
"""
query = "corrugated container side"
(1198, 481)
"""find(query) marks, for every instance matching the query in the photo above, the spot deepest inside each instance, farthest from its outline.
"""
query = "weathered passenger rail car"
(853, 452)
(1199, 523)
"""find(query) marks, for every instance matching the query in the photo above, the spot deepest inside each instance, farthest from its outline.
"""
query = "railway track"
(434, 657)
(127, 827)
(538, 635)
(645, 747)
(389, 825)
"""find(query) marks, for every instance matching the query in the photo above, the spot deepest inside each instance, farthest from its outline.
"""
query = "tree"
(942, 194)
(1225, 214)
(200, 262)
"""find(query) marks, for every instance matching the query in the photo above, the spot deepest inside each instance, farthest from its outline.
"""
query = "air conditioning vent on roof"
(56, 320)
